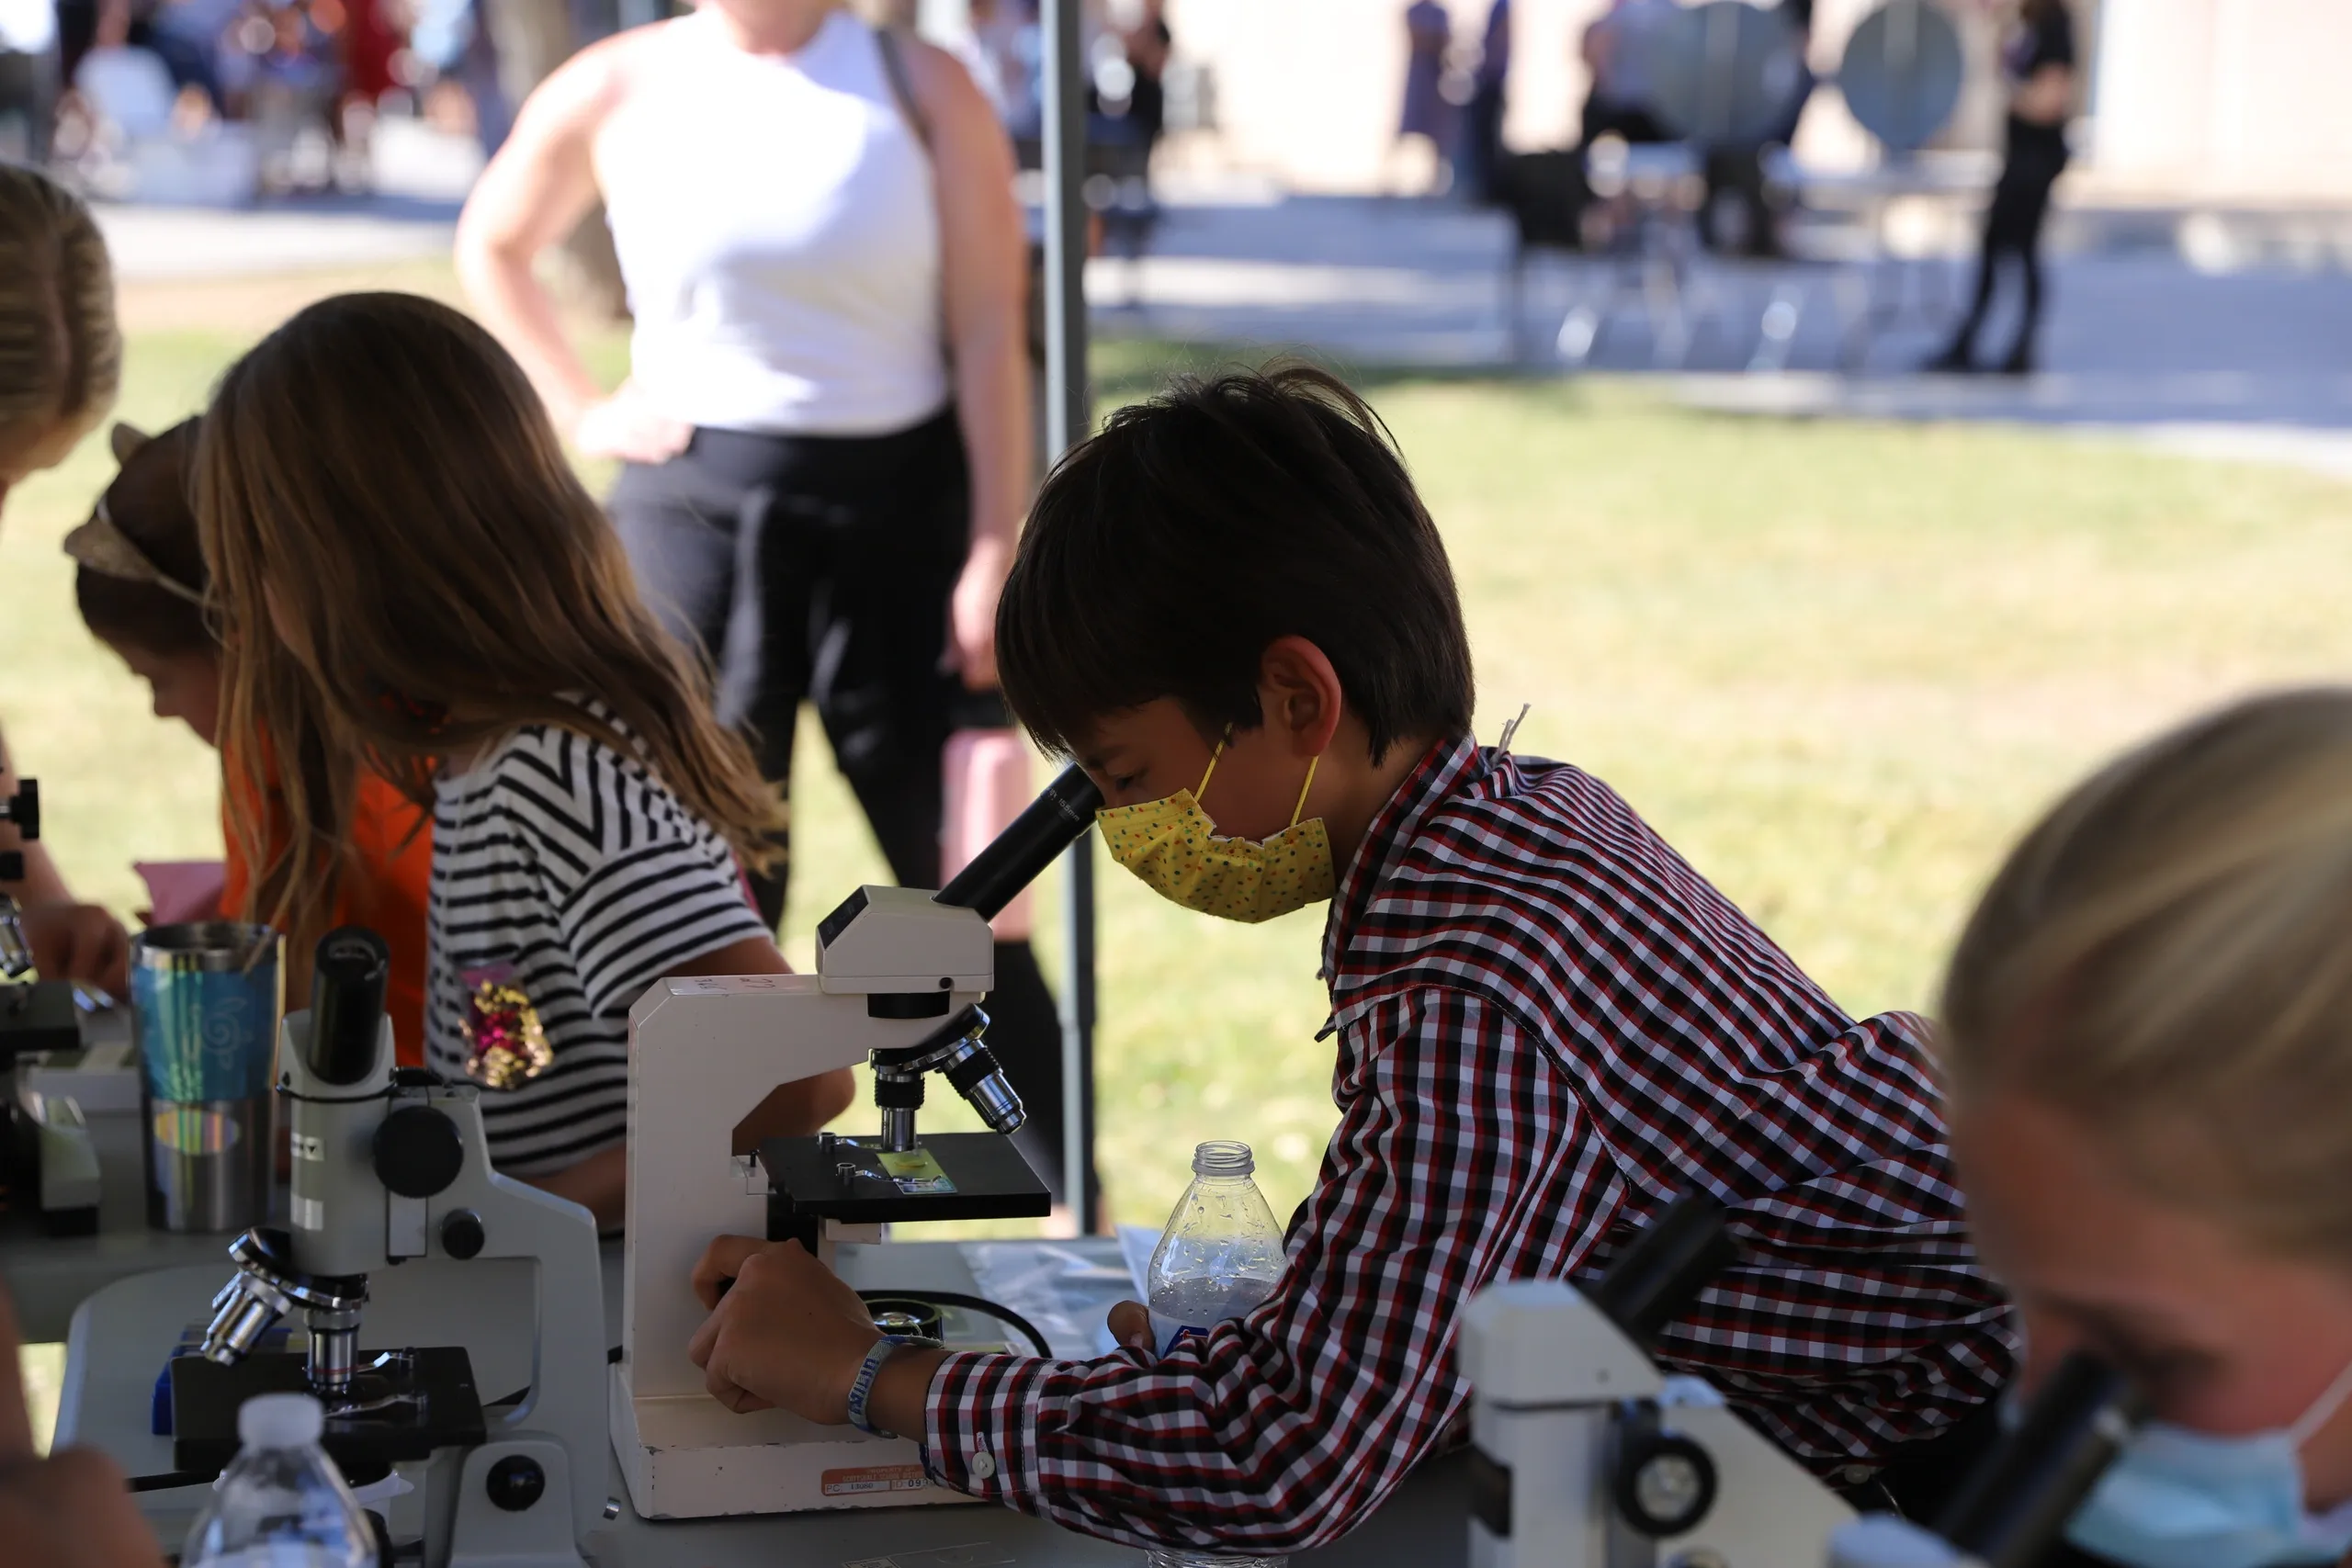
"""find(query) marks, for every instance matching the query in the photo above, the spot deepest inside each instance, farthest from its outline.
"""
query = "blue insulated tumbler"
(207, 998)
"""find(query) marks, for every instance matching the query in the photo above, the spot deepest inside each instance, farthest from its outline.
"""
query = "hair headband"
(106, 549)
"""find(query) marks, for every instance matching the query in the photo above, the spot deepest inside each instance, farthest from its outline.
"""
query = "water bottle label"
(1169, 1333)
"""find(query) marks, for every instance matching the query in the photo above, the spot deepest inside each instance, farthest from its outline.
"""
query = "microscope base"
(437, 1407)
(689, 1457)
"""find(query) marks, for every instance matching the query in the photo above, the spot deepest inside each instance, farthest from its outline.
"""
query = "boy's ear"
(126, 438)
(1299, 693)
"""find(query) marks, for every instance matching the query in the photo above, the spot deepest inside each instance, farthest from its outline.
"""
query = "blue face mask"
(2175, 1498)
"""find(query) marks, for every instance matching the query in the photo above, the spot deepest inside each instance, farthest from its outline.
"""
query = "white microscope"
(1585, 1456)
(391, 1167)
(899, 979)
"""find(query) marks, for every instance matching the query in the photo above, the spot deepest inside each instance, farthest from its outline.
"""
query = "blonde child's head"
(2167, 959)
(60, 354)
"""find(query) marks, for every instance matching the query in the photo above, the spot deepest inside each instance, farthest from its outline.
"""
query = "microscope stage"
(946, 1175)
(427, 1403)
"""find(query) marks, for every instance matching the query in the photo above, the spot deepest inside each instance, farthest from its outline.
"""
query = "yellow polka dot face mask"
(1174, 848)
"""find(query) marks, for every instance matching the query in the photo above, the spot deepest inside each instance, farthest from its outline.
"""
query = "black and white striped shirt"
(578, 871)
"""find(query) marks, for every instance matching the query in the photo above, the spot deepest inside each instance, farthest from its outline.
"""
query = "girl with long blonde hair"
(414, 584)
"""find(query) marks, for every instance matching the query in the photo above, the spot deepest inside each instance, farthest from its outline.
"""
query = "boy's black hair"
(1167, 551)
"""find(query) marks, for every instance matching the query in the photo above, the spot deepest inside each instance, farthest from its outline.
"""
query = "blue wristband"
(860, 1390)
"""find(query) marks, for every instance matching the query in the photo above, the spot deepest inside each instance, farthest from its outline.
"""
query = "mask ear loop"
(1300, 809)
(2322, 1410)
(1203, 788)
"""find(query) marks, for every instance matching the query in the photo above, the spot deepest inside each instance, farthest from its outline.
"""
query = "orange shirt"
(386, 891)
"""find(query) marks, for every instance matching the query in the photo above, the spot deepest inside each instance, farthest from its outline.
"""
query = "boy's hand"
(1131, 1325)
(787, 1333)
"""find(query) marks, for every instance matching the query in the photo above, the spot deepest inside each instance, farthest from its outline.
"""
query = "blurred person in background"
(187, 36)
(1615, 50)
(825, 436)
(27, 79)
(1125, 88)
(2037, 61)
(1002, 49)
(1478, 161)
(60, 363)
(1738, 216)
(1426, 116)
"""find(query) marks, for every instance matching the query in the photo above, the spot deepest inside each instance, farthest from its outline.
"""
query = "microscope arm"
(568, 1376)
(695, 1045)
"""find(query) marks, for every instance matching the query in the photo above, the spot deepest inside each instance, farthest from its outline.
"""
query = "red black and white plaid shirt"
(1549, 1027)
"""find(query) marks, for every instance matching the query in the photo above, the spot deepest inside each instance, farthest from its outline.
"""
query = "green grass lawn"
(1838, 665)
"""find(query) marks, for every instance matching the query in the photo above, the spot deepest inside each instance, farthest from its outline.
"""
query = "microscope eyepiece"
(348, 977)
(1016, 857)
(2016, 1503)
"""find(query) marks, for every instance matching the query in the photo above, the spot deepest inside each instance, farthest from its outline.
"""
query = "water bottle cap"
(280, 1421)
(1222, 1156)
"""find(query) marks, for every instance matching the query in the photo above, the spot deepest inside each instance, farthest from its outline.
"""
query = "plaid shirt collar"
(1450, 768)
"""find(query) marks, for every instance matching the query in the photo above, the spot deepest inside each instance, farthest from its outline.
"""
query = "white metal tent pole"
(1069, 418)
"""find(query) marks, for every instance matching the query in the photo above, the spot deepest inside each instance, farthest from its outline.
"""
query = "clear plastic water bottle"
(1220, 1255)
(281, 1502)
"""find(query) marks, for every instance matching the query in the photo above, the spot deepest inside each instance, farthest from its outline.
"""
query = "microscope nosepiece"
(237, 1326)
(982, 1084)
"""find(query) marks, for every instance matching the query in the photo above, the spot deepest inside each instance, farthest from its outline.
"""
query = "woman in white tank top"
(825, 434)
(825, 431)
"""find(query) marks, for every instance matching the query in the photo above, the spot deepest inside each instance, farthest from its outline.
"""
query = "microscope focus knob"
(515, 1483)
(1666, 1484)
(461, 1235)
(418, 1152)
(23, 808)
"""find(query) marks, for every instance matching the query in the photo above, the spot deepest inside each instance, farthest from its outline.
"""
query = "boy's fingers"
(1131, 1325)
(722, 1261)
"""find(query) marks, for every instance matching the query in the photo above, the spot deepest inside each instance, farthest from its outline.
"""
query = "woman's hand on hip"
(972, 612)
(785, 1334)
(626, 426)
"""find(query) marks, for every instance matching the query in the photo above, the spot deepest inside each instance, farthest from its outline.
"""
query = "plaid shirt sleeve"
(1283, 1428)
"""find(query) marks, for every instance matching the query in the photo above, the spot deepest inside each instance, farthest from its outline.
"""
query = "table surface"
(117, 1337)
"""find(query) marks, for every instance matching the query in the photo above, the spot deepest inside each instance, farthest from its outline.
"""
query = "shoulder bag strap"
(894, 66)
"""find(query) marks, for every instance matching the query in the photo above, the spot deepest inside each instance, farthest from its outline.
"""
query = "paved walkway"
(2252, 362)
